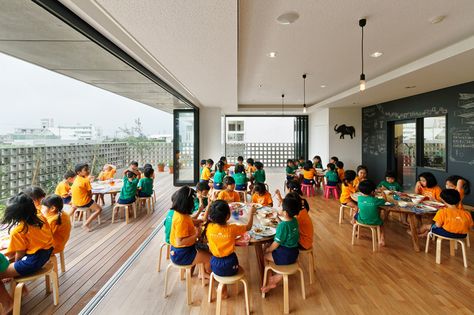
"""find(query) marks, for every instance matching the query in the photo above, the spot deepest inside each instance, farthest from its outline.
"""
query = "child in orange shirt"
(261, 195)
(36, 194)
(58, 221)
(462, 185)
(63, 189)
(427, 185)
(250, 167)
(362, 172)
(308, 173)
(108, 172)
(340, 170)
(348, 189)
(229, 194)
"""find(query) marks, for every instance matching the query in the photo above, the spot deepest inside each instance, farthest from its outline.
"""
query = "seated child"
(133, 167)
(250, 166)
(219, 176)
(145, 185)
(333, 160)
(362, 172)
(201, 202)
(347, 188)
(221, 237)
(206, 171)
(284, 249)
(240, 178)
(427, 185)
(308, 173)
(262, 196)
(450, 221)
(129, 189)
(201, 168)
(390, 182)
(259, 175)
(368, 205)
(240, 161)
(301, 162)
(184, 233)
(36, 194)
(148, 165)
(462, 185)
(340, 170)
(58, 221)
(290, 170)
(63, 189)
(317, 162)
(108, 172)
(226, 166)
(229, 194)
(331, 176)
(81, 192)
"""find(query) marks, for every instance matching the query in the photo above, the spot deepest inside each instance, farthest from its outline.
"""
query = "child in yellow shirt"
(229, 194)
(63, 189)
(261, 195)
(250, 166)
(206, 171)
(340, 170)
(108, 172)
(58, 221)
(348, 189)
(308, 173)
(36, 194)
(427, 185)
(362, 172)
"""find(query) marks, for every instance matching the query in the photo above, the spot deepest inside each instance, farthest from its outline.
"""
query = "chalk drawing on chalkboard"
(466, 100)
(461, 149)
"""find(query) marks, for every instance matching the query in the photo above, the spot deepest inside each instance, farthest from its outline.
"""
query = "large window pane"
(184, 146)
(434, 144)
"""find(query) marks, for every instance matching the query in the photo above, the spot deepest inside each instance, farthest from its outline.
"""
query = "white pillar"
(210, 128)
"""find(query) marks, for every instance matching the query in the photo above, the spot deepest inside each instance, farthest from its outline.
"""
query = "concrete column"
(211, 139)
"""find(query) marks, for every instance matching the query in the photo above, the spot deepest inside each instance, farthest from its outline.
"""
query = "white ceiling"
(193, 45)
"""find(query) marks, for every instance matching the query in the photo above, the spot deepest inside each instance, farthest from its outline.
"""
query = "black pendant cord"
(283, 104)
(362, 50)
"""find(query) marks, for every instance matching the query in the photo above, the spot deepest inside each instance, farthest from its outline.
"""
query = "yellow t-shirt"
(61, 232)
(432, 193)
(264, 200)
(309, 174)
(63, 189)
(305, 226)
(30, 240)
(206, 173)
(105, 175)
(81, 191)
(340, 173)
(251, 169)
(454, 220)
(229, 196)
(357, 181)
(182, 226)
(346, 193)
(221, 238)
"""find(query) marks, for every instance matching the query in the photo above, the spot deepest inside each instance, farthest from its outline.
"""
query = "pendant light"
(283, 104)
(304, 93)
(362, 23)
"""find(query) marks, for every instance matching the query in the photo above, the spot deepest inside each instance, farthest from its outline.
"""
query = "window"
(434, 142)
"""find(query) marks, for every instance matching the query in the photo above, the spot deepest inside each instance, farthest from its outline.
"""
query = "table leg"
(414, 232)
(112, 198)
(260, 259)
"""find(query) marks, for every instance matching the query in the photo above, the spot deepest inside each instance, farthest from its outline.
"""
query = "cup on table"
(235, 213)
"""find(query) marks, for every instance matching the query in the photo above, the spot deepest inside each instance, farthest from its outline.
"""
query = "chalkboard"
(461, 133)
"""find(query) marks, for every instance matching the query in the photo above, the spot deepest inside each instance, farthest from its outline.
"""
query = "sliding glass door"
(186, 147)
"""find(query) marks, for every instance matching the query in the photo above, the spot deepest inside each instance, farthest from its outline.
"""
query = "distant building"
(168, 138)
(80, 133)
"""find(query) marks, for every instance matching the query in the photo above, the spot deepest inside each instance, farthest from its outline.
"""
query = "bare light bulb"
(304, 109)
(362, 82)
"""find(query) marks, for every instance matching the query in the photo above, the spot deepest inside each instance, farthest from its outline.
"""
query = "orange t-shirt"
(454, 220)
(346, 193)
(309, 174)
(432, 193)
(61, 232)
(221, 238)
(305, 226)
(105, 175)
(229, 196)
(30, 240)
(264, 200)
(340, 173)
(81, 191)
(182, 226)
(251, 169)
(63, 189)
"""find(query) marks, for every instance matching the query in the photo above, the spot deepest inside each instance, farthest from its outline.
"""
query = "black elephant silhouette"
(345, 130)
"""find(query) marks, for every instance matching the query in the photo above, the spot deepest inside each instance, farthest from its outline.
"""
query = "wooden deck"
(349, 279)
(92, 258)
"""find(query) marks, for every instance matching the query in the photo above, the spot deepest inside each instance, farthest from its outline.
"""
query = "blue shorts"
(285, 255)
(442, 232)
(241, 187)
(87, 205)
(126, 201)
(331, 184)
(290, 177)
(225, 266)
(218, 185)
(183, 255)
(32, 263)
(67, 200)
(308, 181)
(204, 181)
(142, 194)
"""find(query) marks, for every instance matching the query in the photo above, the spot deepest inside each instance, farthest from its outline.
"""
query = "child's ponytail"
(56, 202)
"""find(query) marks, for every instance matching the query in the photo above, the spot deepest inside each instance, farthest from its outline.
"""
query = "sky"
(29, 93)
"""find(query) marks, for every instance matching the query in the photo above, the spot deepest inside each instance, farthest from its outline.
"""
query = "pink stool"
(331, 189)
(308, 190)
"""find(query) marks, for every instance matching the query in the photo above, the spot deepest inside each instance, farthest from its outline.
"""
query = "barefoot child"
(262, 196)
(284, 249)
(63, 189)
(58, 221)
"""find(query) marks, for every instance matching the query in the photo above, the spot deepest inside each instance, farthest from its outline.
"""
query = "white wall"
(210, 133)
(319, 134)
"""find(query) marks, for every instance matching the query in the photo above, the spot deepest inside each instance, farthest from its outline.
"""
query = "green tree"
(136, 139)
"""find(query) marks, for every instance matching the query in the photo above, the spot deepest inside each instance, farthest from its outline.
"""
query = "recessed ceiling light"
(410, 87)
(288, 18)
(260, 85)
(437, 19)
(272, 54)
(376, 54)
(323, 86)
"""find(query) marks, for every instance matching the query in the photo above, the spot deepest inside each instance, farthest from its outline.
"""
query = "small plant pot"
(171, 169)
(161, 168)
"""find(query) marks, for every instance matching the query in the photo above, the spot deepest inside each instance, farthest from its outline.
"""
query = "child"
(201, 202)
(240, 178)
(36, 194)
(133, 167)
(108, 172)
(219, 175)
(206, 171)
(290, 170)
(462, 185)
(250, 166)
(333, 160)
(262, 196)
(229, 194)
(129, 189)
(184, 233)
(203, 164)
(331, 176)
(63, 189)
(348, 189)
(390, 182)
(148, 165)
(145, 185)
(226, 166)
(301, 162)
(317, 162)
(259, 175)
(362, 172)
(368, 205)
(81, 192)
(340, 170)
(58, 221)
(427, 185)
(221, 237)
(450, 221)
(240, 161)
(284, 249)
(308, 173)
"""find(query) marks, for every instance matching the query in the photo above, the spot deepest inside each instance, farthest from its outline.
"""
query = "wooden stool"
(242, 195)
(308, 190)
(54, 259)
(187, 268)
(161, 253)
(126, 208)
(311, 265)
(331, 190)
(153, 201)
(82, 213)
(341, 212)
(18, 283)
(375, 233)
(239, 277)
(148, 201)
(284, 270)
(452, 247)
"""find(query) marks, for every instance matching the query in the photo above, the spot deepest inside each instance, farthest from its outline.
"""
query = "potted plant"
(161, 167)
(170, 166)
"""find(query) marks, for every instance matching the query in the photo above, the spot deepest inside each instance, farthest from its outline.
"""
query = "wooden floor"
(92, 258)
(349, 279)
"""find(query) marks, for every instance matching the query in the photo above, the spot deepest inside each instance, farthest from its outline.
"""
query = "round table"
(102, 188)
